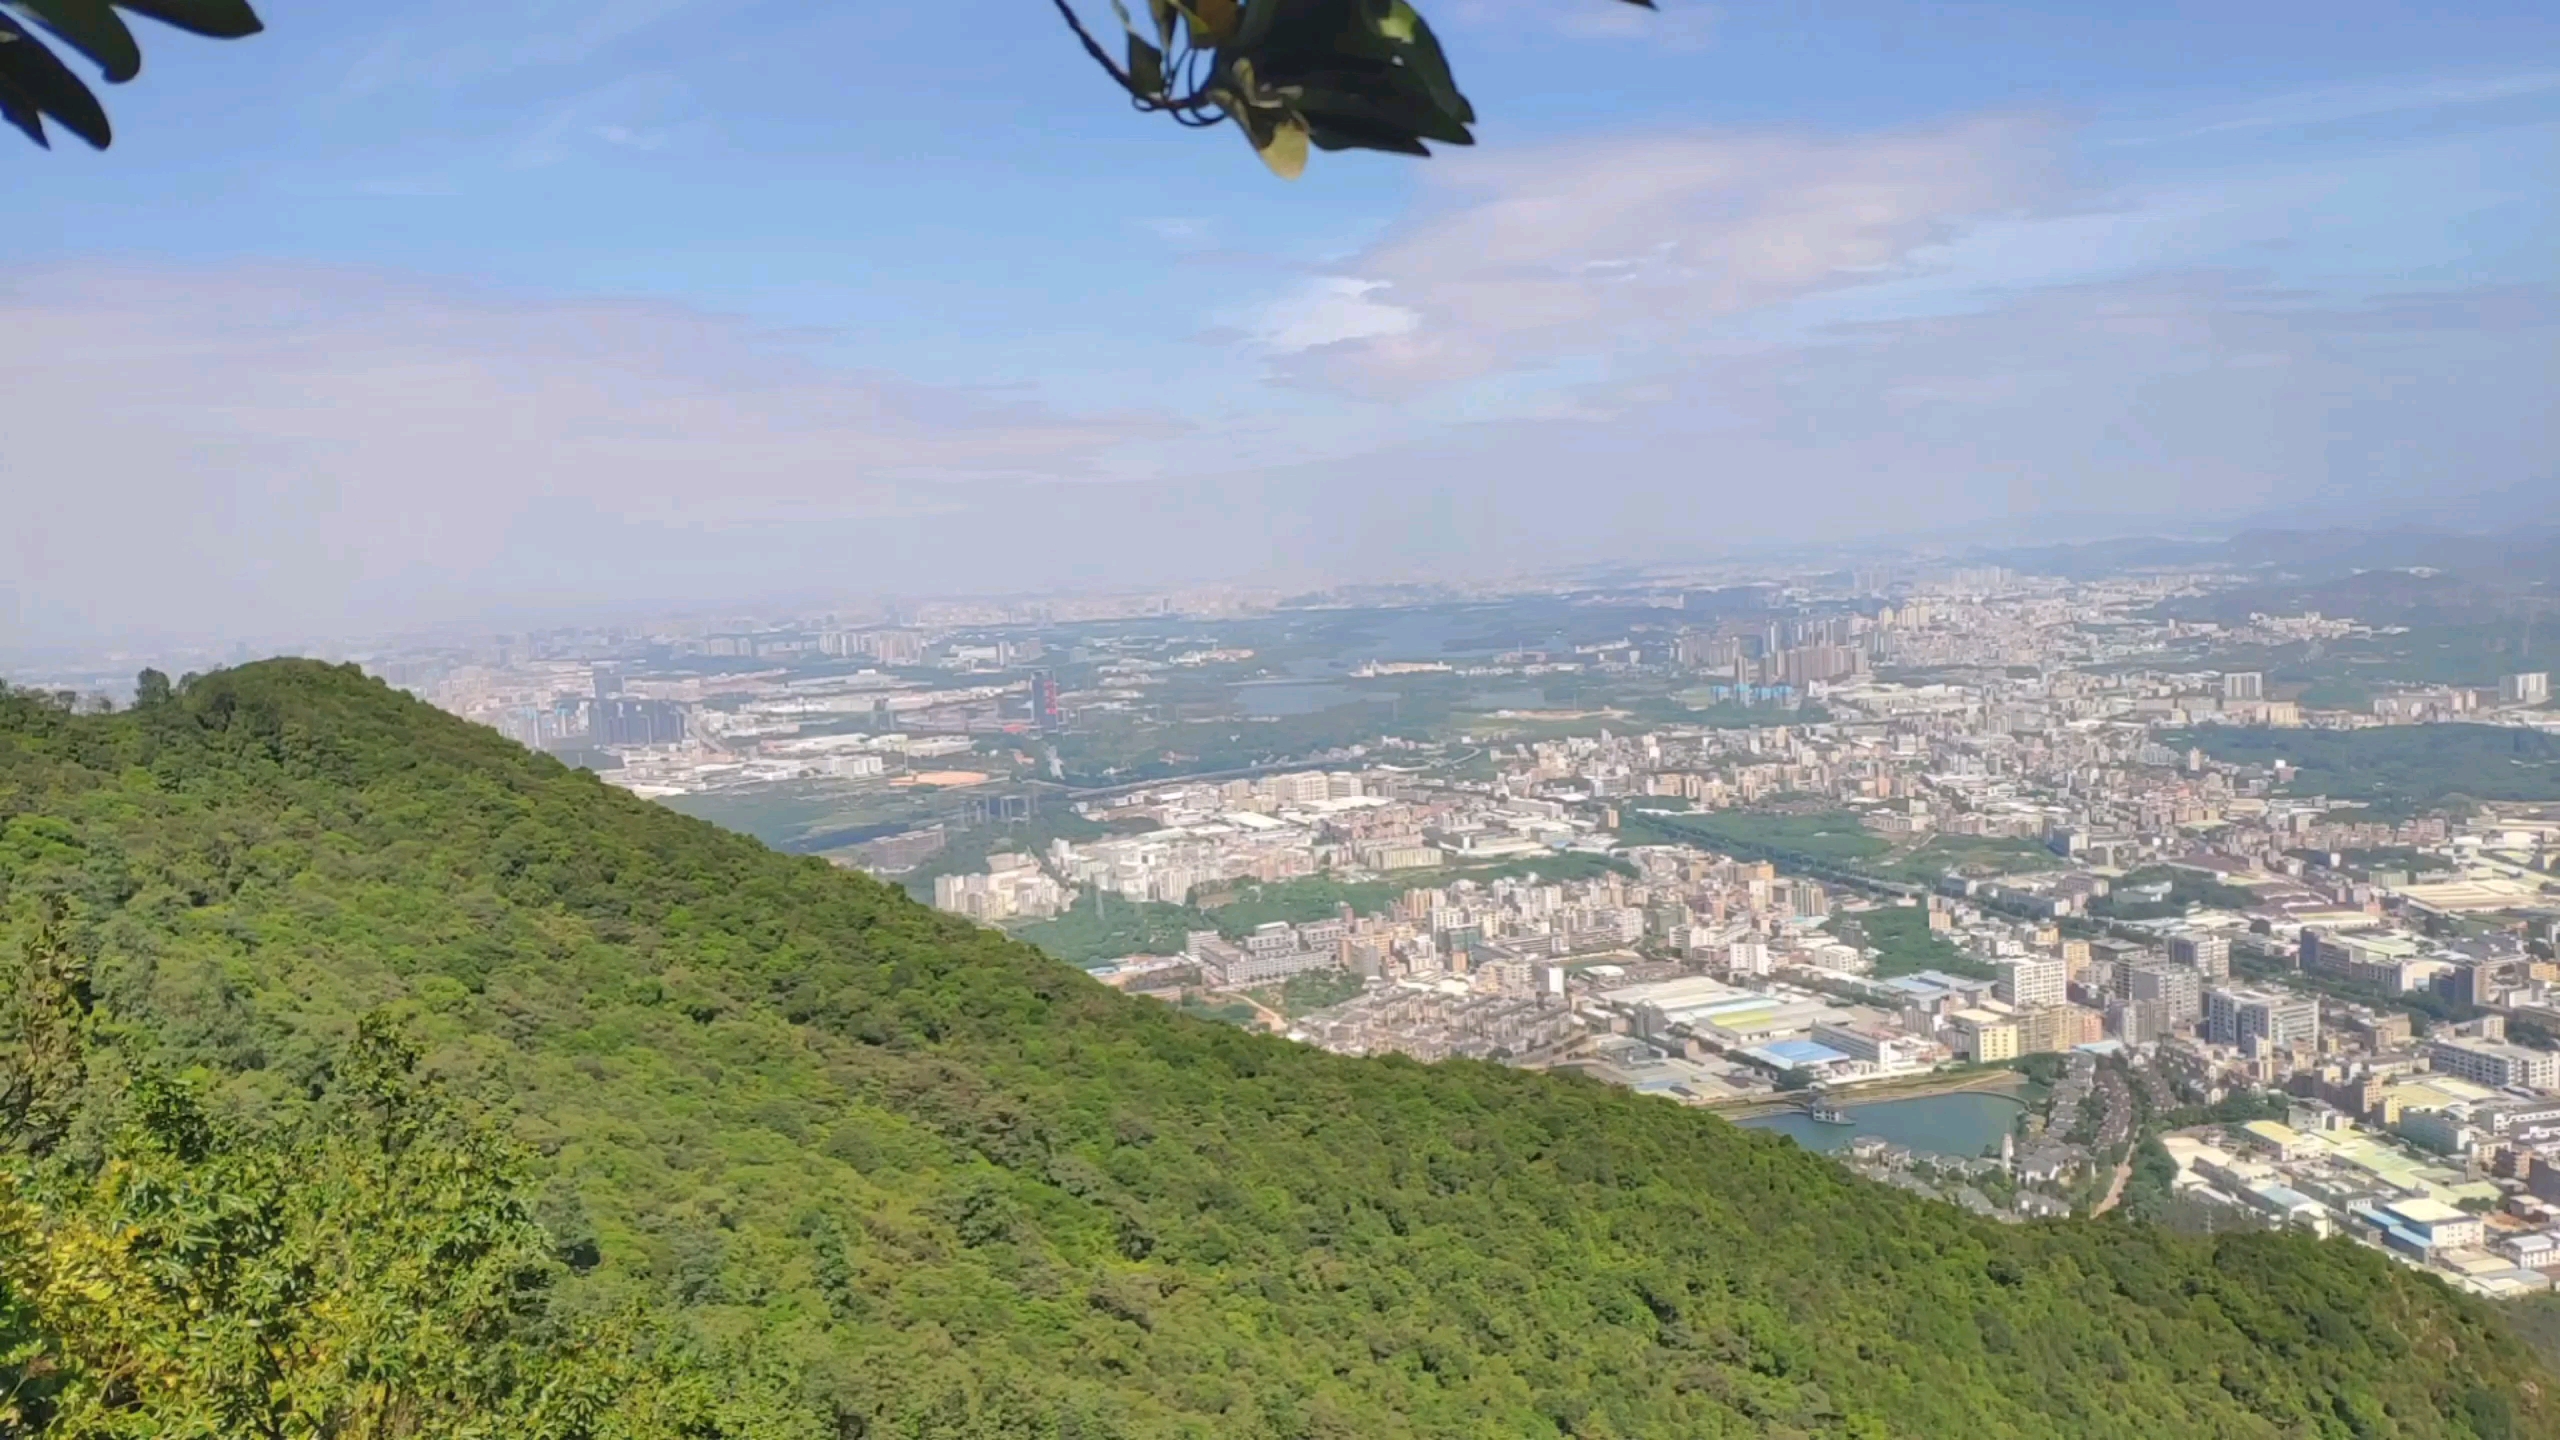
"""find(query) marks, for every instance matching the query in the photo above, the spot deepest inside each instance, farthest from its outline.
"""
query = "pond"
(1962, 1125)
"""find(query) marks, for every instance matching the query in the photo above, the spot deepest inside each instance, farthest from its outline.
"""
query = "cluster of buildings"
(1175, 840)
(2003, 766)
(1012, 887)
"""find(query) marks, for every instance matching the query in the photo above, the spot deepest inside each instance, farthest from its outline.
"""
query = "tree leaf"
(48, 86)
(1410, 110)
(1212, 22)
(1333, 132)
(1146, 67)
(21, 112)
(216, 19)
(1285, 151)
(1254, 25)
(1423, 55)
(93, 28)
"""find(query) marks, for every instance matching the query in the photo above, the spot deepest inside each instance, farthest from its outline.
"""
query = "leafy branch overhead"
(35, 84)
(1294, 74)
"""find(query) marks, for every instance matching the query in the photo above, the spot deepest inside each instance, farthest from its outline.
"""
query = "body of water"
(1455, 633)
(1961, 1125)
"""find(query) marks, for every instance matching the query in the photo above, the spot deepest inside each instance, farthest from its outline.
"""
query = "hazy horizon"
(386, 321)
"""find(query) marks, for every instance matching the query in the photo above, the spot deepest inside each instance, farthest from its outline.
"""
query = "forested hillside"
(937, 1185)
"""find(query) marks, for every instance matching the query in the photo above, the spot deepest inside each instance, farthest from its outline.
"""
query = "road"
(2115, 1187)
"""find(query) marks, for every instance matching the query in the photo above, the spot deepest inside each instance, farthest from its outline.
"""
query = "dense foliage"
(944, 1186)
(2187, 890)
(371, 1270)
(1978, 855)
(1904, 943)
(2398, 768)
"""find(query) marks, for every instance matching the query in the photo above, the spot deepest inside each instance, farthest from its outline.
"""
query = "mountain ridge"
(963, 1190)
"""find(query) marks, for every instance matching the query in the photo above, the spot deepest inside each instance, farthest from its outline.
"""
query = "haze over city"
(403, 315)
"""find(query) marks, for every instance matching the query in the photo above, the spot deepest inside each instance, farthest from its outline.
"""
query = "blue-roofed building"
(1934, 990)
(1798, 1055)
(2419, 1226)
(2290, 1207)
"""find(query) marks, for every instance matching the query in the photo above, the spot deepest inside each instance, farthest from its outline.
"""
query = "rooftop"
(1789, 1053)
(2425, 1211)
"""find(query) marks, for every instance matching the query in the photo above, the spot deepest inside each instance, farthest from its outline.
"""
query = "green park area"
(1828, 838)
(1904, 943)
(2398, 769)
(1974, 855)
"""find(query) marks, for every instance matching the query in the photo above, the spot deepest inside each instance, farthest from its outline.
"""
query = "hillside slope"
(959, 1189)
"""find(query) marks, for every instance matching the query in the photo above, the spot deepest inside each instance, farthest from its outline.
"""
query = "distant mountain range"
(2405, 576)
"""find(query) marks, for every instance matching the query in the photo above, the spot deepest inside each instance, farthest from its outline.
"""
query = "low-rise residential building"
(2487, 1062)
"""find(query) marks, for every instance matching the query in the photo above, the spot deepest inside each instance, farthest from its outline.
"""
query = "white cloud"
(1620, 246)
(643, 114)
(2330, 106)
(276, 443)
(1333, 310)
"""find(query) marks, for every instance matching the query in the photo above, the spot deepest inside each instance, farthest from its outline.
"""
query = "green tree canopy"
(866, 1162)
(372, 1269)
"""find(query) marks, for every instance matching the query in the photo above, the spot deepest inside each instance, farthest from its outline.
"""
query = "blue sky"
(434, 309)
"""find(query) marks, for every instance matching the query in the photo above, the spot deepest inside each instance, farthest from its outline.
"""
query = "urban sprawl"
(1789, 848)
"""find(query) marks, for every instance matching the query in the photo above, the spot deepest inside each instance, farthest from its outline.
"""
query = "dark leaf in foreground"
(35, 85)
(1331, 74)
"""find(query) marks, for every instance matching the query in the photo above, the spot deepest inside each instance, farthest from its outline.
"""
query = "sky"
(461, 311)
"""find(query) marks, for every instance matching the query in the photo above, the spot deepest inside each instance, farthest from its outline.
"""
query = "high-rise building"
(636, 722)
(2135, 1022)
(2176, 991)
(1045, 715)
(2244, 685)
(2532, 688)
(2207, 954)
(1984, 1037)
(2032, 982)
(2048, 1029)
(2257, 1020)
